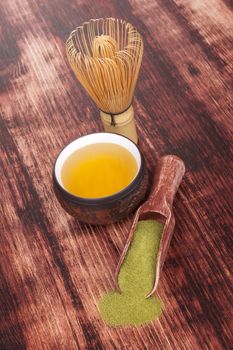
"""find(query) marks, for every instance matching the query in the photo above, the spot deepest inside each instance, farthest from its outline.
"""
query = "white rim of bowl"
(101, 137)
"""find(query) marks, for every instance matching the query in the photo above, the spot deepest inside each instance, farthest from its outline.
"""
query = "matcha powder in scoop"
(136, 279)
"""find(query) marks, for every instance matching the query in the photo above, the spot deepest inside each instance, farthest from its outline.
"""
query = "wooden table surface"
(54, 269)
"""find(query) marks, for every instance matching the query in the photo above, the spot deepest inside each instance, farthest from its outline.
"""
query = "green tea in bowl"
(98, 170)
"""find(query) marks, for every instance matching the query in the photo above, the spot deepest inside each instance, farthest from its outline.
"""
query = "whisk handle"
(124, 123)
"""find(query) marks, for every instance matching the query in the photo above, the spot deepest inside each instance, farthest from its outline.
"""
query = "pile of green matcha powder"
(136, 279)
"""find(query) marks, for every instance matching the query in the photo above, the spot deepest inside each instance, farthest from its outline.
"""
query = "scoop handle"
(169, 174)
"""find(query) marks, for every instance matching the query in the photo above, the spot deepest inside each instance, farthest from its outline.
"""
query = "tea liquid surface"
(98, 170)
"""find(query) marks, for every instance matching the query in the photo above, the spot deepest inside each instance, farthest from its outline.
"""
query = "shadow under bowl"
(109, 209)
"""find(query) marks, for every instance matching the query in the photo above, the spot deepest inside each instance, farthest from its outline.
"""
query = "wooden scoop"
(158, 207)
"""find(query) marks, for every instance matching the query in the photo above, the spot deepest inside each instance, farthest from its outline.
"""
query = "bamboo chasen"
(106, 55)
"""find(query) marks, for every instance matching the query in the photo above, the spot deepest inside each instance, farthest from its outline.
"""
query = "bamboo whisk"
(106, 55)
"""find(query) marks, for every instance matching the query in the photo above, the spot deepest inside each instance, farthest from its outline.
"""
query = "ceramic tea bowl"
(108, 209)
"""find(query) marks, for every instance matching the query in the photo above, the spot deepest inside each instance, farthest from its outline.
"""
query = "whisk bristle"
(105, 55)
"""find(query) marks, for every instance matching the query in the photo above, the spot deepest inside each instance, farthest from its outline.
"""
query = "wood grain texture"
(54, 269)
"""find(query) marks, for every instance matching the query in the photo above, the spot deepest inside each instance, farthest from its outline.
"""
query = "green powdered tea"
(136, 280)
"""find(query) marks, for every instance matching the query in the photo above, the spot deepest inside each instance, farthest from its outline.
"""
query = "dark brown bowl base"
(105, 210)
